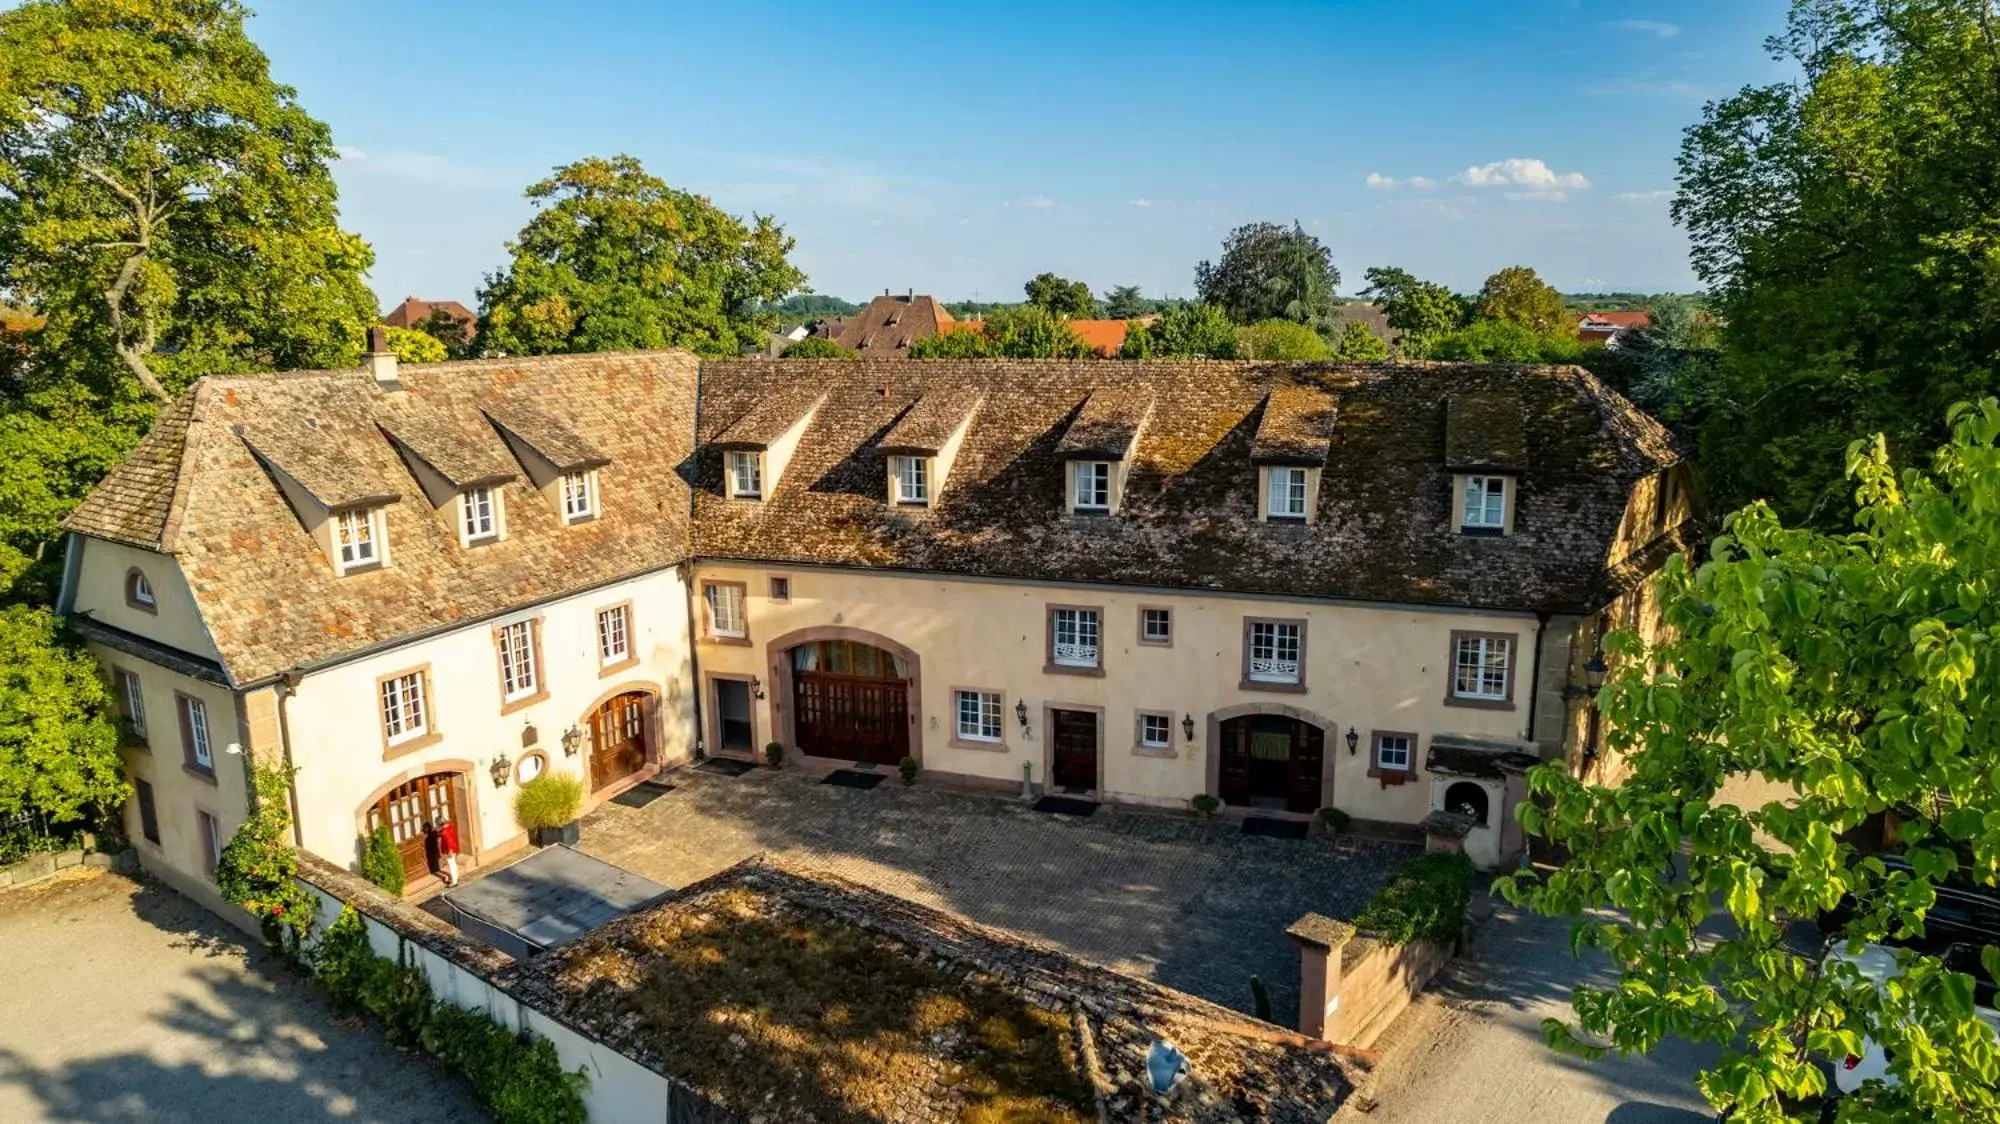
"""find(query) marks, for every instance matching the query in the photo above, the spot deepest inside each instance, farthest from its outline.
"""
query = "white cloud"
(1643, 196)
(1380, 182)
(1544, 196)
(1520, 171)
(1657, 28)
(1422, 183)
(1142, 202)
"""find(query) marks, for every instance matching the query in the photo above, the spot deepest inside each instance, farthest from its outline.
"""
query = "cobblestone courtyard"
(1196, 906)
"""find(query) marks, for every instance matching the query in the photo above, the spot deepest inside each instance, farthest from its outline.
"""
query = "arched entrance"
(411, 809)
(1270, 761)
(850, 700)
(618, 738)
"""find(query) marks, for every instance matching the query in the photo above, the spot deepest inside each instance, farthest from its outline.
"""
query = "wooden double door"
(853, 717)
(617, 739)
(1271, 761)
(1073, 749)
(412, 810)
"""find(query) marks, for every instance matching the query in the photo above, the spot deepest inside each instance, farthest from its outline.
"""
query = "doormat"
(1275, 829)
(1065, 806)
(725, 766)
(849, 778)
(641, 794)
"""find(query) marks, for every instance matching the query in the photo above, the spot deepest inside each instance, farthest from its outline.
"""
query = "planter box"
(568, 833)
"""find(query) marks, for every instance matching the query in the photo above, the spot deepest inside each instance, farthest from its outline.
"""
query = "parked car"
(1877, 963)
(1965, 913)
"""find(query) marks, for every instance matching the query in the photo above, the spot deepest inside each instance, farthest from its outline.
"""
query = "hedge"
(1424, 900)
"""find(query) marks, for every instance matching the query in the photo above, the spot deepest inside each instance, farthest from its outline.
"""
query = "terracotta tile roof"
(1297, 426)
(1105, 337)
(1598, 325)
(927, 425)
(413, 312)
(458, 447)
(319, 463)
(890, 324)
(542, 432)
(1189, 510)
(1484, 430)
(764, 419)
(1106, 425)
(268, 595)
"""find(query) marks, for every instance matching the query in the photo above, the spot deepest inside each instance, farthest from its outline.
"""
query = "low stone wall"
(1377, 980)
(36, 867)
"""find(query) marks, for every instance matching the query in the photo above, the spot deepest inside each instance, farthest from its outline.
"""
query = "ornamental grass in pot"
(547, 807)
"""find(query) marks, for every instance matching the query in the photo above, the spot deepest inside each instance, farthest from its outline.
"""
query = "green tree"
(959, 343)
(259, 870)
(1420, 310)
(1502, 341)
(818, 347)
(1517, 295)
(1124, 302)
(413, 346)
(1673, 361)
(1183, 331)
(449, 331)
(1847, 222)
(168, 207)
(1279, 339)
(1359, 344)
(59, 763)
(1070, 300)
(1859, 673)
(614, 258)
(1268, 272)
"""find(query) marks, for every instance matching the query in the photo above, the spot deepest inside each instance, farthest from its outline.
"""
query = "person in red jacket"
(447, 840)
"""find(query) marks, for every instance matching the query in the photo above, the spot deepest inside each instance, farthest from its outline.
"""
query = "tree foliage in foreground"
(1280, 339)
(59, 763)
(817, 347)
(1862, 672)
(614, 258)
(1182, 331)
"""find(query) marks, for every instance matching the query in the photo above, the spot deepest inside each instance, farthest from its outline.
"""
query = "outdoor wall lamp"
(571, 739)
(756, 688)
(1353, 741)
(1593, 672)
(1187, 726)
(1021, 712)
(502, 769)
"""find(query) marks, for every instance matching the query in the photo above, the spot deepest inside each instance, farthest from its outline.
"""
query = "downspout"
(694, 664)
(1535, 673)
(286, 687)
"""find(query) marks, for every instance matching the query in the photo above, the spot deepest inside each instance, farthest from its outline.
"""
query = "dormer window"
(913, 485)
(139, 592)
(1485, 505)
(1093, 486)
(579, 496)
(1285, 494)
(746, 475)
(358, 538)
(476, 519)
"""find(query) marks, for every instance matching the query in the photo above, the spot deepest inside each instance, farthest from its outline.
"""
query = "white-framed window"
(978, 716)
(211, 841)
(194, 727)
(746, 474)
(725, 610)
(614, 633)
(1392, 753)
(913, 483)
(135, 702)
(1093, 486)
(358, 534)
(579, 496)
(1485, 503)
(475, 511)
(405, 714)
(1156, 731)
(1073, 636)
(1479, 667)
(1285, 497)
(1156, 626)
(139, 591)
(519, 677)
(1274, 652)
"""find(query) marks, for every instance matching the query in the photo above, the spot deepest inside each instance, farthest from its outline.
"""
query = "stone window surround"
(631, 657)
(708, 632)
(1451, 695)
(134, 578)
(146, 799)
(127, 683)
(1049, 740)
(1049, 664)
(430, 736)
(1249, 684)
(713, 697)
(1375, 768)
(956, 741)
(541, 691)
(781, 589)
(211, 849)
(184, 717)
(1212, 760)
(1139, 746)
(1168, 610)
(465, 796)
(778, 658)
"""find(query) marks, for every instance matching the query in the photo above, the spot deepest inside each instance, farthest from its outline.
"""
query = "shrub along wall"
(1405, 935)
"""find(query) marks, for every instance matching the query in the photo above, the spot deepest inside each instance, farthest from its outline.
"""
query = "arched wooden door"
(410, 810)
(850, 700)
(1271, 761)
(617, 739)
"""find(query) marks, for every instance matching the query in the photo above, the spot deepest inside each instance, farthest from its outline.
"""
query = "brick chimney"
(380, 361)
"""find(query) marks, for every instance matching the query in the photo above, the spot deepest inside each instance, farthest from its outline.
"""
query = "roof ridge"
(249, 378)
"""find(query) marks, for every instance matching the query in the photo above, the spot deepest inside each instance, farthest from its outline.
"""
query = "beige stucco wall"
(1366, 667)
(335, 721)
(100, 593)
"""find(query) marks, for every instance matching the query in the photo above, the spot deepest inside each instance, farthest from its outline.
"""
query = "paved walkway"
(126, 1002)
(1197, 906)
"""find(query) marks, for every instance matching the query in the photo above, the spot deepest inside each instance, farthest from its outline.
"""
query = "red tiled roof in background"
(413, 312)
(1598, 325)
(1102, 336)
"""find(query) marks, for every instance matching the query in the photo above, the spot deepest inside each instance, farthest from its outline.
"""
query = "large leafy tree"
(1060, 297)
(1419, 309)
(1125, 302)
(59, 765)
(1848, 224)
(1280, 339)
(1860, 674)
(1266, 272)
(1518, 295)
(615, 258)
(1182, 331)
(1026, 331)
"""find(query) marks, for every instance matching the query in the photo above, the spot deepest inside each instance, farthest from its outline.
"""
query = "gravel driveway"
(125, 1002)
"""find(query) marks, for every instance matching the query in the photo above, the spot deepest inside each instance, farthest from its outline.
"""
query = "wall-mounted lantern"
(502, 769)
(1593, 672)
(1187, 726)
(1021, 712)
(1353, 741)
(572, 739)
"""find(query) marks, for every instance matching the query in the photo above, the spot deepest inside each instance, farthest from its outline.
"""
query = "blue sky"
(960, 150)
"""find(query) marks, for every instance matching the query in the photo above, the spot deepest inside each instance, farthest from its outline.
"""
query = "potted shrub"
(1336, 821)
(774, 755)
(908, 767)
(547, 806)
(381, 862)
(1205, 805)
